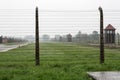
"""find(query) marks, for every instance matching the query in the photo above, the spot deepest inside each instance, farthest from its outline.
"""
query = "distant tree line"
(12, 39)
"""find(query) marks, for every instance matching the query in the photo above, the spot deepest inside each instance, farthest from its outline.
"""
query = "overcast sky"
(54, 5)
(59, 4)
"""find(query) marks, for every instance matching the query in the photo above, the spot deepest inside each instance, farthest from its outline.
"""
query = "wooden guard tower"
(110, 34)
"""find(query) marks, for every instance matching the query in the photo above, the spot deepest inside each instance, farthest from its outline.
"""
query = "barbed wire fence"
(55, 26)
(61, 23)
(21, 22)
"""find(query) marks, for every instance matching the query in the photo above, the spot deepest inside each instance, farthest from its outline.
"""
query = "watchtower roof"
(110, 27)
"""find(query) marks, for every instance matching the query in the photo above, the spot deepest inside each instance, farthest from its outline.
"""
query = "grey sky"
(59, 4)
(25, 26)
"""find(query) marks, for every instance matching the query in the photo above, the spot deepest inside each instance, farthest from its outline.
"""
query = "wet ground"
(4, 48)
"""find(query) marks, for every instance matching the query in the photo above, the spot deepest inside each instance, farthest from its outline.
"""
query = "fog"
(17, 17)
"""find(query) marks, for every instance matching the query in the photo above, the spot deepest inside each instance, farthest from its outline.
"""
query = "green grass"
(59, 61)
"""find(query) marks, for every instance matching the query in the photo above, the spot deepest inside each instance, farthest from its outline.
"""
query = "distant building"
(4, 40)
(69, 38)
(58, 37)
(109, 34)
(0, 39)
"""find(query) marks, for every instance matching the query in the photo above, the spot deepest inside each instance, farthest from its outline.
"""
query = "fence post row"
(37, 37)
(101, 37)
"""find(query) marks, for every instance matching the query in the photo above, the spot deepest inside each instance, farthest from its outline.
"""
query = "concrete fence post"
(37, 37)
(101, 36)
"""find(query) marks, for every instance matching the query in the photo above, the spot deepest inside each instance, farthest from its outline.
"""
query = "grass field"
(59, 61)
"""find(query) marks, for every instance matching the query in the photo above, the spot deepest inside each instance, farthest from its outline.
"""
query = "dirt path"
(4, 48)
